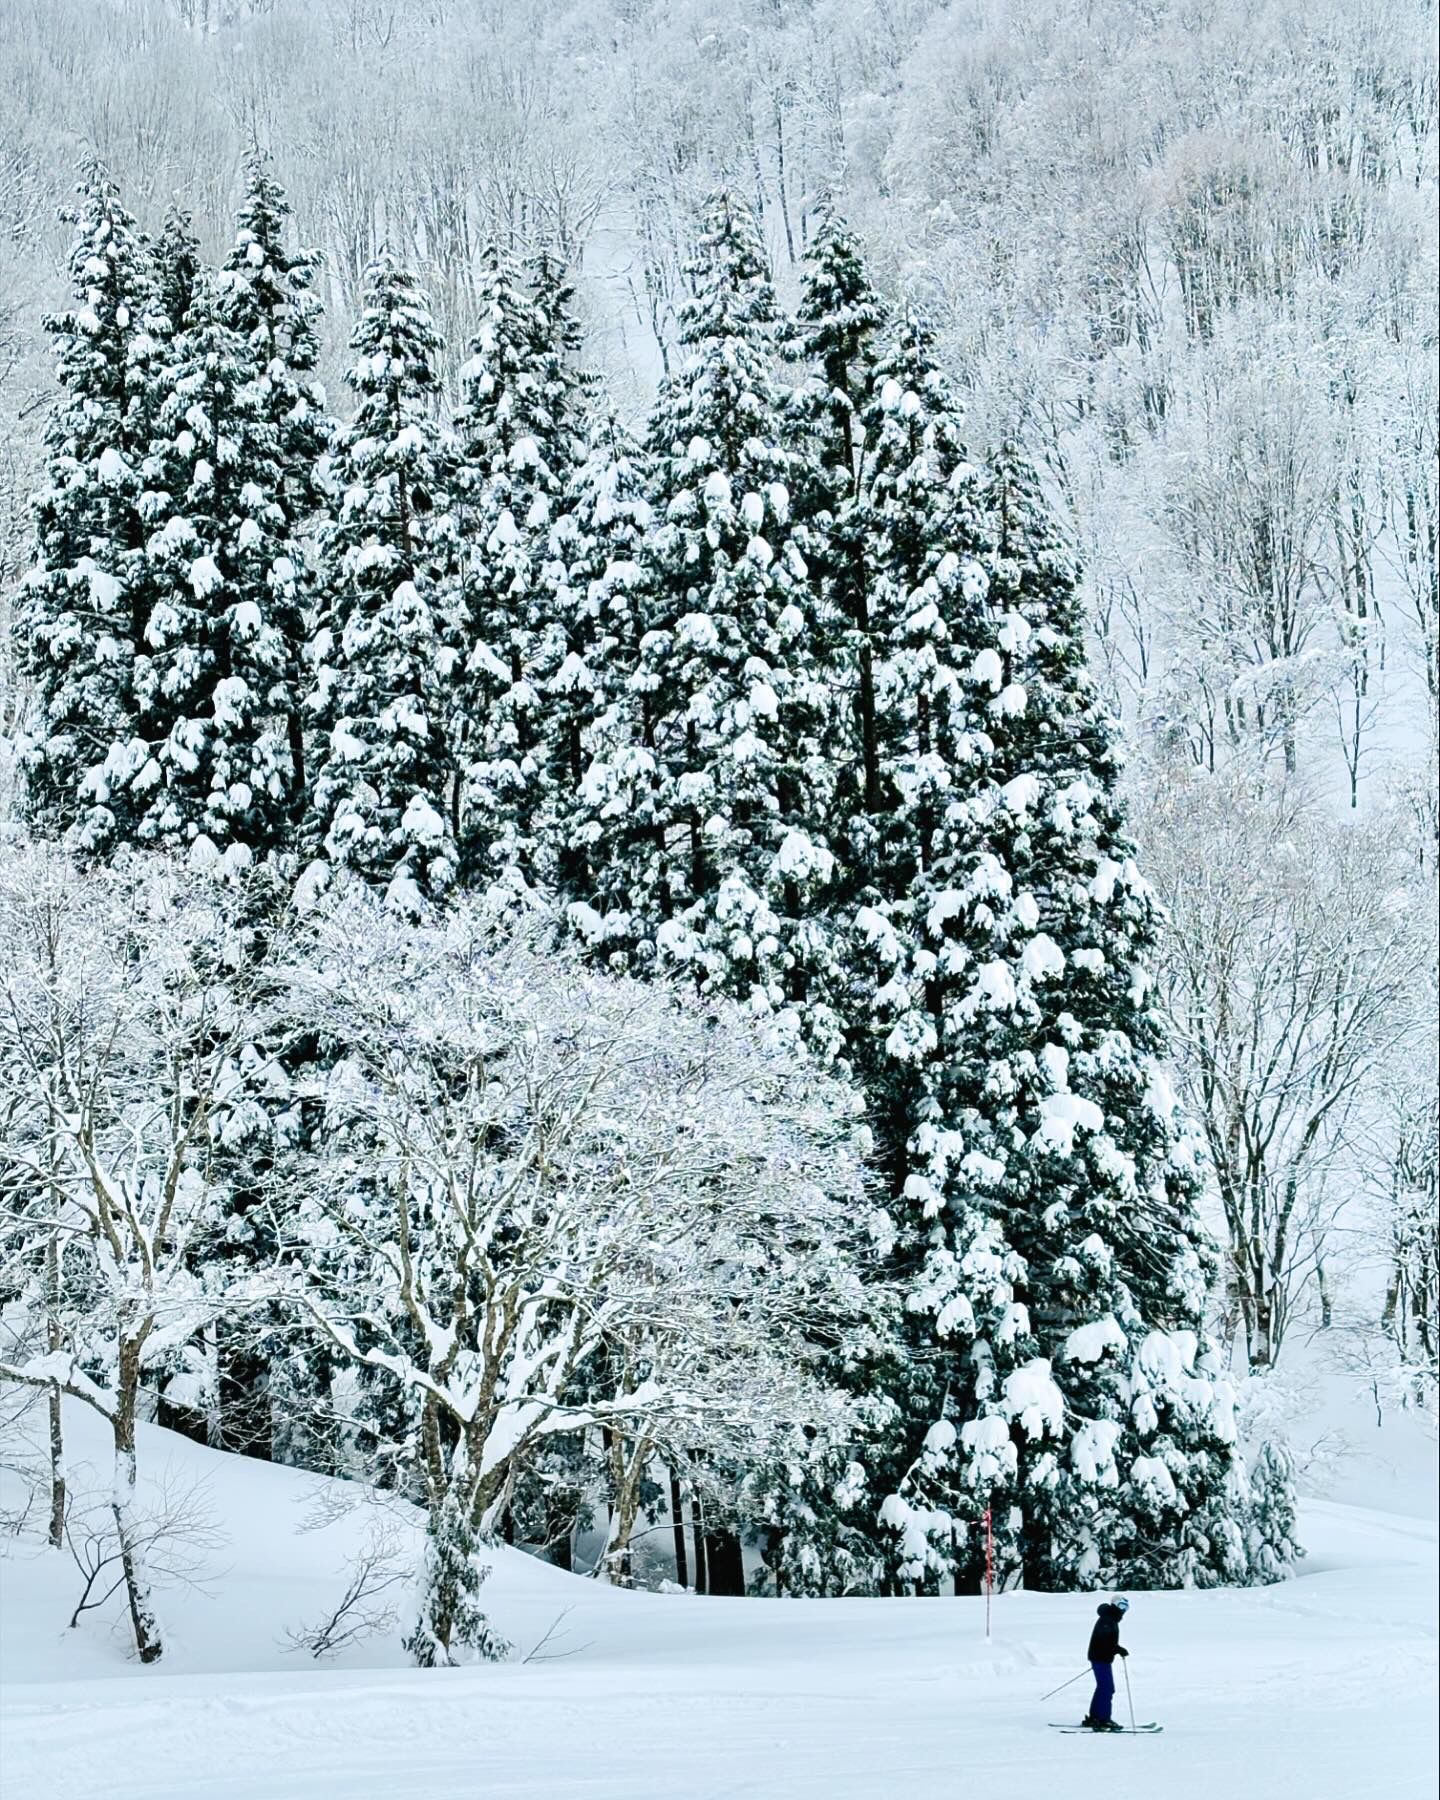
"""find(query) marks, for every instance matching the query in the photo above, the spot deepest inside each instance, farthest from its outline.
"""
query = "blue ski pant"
(1104, 1690)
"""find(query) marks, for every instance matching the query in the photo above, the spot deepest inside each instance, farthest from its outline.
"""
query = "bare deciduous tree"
(123, 1009)
(1291, 942)
(533, 1173)
(367, 1606)
(172, 1530)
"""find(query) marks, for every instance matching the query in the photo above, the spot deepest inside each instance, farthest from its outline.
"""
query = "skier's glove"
(1120, 1652)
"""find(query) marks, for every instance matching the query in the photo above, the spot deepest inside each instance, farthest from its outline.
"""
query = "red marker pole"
(989, 1570)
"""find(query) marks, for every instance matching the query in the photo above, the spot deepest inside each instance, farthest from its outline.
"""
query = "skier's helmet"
(1120, 1603)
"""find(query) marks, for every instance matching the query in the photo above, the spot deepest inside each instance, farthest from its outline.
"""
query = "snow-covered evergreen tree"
(812, 1506)
(267, 296)
(724, 796)
(835, 337)
(214, 674)
(176, 271)
(272, 1387)
(84, 606)
(567, 388)
(809, 1502)
(386, 658)
(520, 434)
(1093, 1418)
(918, 524)
(175, 534)
(592, 701)
(1271, 1540)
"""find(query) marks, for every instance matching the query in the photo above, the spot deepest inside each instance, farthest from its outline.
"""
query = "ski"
(1124, 1731)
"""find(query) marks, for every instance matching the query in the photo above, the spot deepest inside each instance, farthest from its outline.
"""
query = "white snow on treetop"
(994, 988)
(421, 823)
(1092, 1452)
(1088, 1343)
(1021, 793)
(1033, 1400)
(1150, 1474)
(205, 576)
(800, 858)
(1061, 1115)
(987, 670)
(1043, 959)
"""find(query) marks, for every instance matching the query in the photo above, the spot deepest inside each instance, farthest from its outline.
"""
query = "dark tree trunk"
(242, 1387)
(295, 735)
(697, 1536)
(1327, 1307)
(183, 1420)
(725, 1562)
(677, 1522)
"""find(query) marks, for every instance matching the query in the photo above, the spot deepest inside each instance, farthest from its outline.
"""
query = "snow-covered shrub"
(452, 1626)
(1271, 1544)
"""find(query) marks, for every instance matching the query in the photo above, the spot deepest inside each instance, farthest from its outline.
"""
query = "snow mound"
(673, 1697)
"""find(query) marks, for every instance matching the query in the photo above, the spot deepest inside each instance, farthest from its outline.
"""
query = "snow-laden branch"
(532, 1173)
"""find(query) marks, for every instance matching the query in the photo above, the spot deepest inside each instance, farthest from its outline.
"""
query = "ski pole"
(1064, 1684)
(1129, 1697)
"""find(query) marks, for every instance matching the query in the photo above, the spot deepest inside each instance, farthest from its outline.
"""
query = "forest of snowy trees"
(720, 817)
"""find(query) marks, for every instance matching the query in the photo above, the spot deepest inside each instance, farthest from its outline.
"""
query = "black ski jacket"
(1105, 1638)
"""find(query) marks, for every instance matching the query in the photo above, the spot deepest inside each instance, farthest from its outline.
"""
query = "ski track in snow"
(1323, 1688)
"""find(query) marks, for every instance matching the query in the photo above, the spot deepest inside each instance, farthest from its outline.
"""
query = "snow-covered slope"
(1321, 1689)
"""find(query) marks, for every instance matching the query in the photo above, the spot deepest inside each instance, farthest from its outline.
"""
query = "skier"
(1105, 1646)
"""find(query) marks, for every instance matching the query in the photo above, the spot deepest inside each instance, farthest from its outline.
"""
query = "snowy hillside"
(1322, 1688)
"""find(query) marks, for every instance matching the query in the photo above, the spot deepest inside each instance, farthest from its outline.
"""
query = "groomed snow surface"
(1323, 1688)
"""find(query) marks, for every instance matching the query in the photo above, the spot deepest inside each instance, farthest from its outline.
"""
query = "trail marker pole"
(989, 1570)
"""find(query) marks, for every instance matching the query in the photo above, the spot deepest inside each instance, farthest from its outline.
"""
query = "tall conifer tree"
(387, 782)
(176, 271)
(726, 794)
(267, 296)
(84, 607)
(1074, 1148)
(919, 527)
(836, 337)
(520, 433)
(592, 704)
(214, 674)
